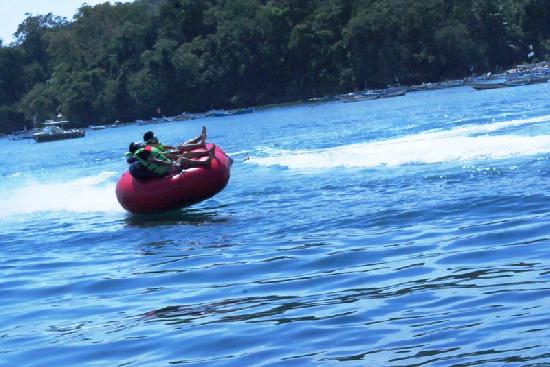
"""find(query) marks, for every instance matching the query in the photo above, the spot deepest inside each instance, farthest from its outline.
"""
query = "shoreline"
(516, 72)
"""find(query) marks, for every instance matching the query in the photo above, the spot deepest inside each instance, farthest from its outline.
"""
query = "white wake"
(465, 143)
(87, 194)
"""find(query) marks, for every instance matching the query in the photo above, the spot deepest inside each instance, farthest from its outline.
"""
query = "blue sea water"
(411, 231)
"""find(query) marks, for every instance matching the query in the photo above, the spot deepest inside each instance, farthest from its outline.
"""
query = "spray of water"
(87, 194)
(465, 143)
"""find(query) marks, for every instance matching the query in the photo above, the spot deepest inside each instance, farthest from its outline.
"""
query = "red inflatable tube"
(176, 191)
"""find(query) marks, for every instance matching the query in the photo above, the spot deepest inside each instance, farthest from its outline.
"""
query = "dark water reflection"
(186, 216)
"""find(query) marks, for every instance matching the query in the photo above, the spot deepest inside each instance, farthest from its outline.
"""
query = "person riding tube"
(159, 164)
(199, 142)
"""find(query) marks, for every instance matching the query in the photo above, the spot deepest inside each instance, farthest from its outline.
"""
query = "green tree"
(122, 61)
(536, 25)
(40, 103)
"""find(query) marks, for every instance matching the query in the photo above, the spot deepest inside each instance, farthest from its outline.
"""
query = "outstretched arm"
(160, 162)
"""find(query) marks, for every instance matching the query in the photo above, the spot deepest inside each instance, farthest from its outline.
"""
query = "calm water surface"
(411, 231)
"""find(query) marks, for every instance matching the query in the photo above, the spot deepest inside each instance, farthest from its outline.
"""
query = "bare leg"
(189, 163)
(193, 141)
(185, 162)
(187, 147)
(200, 138)
(203, 136)
(210, 152)
(195, 154)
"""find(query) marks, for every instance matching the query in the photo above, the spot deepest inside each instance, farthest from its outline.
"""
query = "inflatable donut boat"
(160, 194)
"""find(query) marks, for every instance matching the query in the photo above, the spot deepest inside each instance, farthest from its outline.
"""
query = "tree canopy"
(123, 61)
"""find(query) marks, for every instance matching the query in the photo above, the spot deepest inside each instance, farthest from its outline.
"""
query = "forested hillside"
(123, 61)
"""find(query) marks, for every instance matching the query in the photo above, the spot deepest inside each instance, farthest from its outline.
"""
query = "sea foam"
(87, 194)
(464, 143)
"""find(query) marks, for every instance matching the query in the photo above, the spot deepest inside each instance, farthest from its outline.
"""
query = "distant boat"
(184, 116)
(53, 132)
(356, 97)
(97, 127)
(217, 113)
(242, 111)
(538, 80)
(425, 86)
(160, 119)
(392, 93)
(514, 82)
(483, 86)
(372, 94)
(320, 99)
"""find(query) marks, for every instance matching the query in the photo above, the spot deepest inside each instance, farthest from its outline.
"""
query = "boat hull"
(167, 193)
(45, 137)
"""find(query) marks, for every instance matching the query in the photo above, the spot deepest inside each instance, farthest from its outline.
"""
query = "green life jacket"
(153, 167)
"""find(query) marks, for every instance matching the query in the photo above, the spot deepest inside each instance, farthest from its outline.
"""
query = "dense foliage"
(123, 61)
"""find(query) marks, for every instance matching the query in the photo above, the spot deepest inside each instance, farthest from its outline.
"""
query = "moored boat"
(538, 80)
(97, 127)
(217, 113)
(393, 92)
(52, 133)
(483, 86)
(511, 82)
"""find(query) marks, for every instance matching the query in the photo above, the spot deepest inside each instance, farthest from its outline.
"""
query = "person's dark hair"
(148, 136)
(133, 147)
